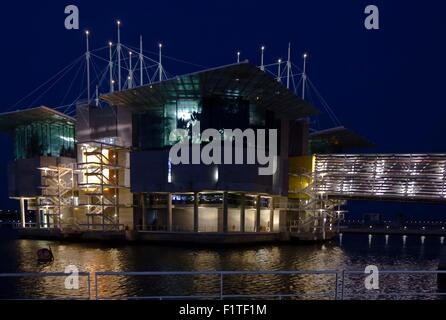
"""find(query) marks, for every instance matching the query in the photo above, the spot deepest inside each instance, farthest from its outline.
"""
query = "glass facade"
(44, 139)
(152, 128)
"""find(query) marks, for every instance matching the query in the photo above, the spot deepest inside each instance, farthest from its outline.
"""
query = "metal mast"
(288, 67)
(279, 62)
(110, 66)
(87, 56)
(160, 63)
(141, 62)
(304, 75)
(130, 71)
(97, 96)
(118, 48)
(238, 56)
(262, 67)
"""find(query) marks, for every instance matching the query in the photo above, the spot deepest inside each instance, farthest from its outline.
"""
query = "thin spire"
(110, 66)
(304, 75)
(118, 48)
(130, 79)
(160, 65)
(87, 56)
(97, 96)
(262, 66)
(279, 62)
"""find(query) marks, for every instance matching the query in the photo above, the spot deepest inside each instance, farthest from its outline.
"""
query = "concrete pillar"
(271, 215)
(258, 214)
(324, 220)
(196, 204)
(38, 218)
(169, 212)
(283, 220)
(143, 211)
(22, 213)
(225, 211)
(242, 212)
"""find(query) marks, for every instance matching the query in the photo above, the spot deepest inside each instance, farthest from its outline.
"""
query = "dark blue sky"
(385, 84)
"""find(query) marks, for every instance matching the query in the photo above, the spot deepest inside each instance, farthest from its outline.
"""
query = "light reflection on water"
(353, 253)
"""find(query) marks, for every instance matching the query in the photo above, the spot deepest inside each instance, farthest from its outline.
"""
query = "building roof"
(242, 79)
(342, 137)
(10, 120)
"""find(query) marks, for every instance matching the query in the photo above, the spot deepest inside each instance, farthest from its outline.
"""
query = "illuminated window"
(51, 139)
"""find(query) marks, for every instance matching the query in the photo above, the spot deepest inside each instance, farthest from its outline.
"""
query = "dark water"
(353, 252)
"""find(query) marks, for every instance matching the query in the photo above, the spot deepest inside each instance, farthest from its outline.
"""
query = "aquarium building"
(106, 172)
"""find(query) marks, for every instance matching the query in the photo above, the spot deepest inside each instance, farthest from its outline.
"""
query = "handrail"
(390, 294)
(221, 275)
(50, 274)
(338, 292)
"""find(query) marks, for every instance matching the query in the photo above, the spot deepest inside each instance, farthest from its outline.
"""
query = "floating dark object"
(45, 255)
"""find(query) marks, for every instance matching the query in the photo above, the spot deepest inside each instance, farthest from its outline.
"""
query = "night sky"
(385, 84)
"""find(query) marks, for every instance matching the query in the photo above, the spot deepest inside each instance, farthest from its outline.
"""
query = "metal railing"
(346, 284)
(101, 227)
(381, 293)
(47, 275)
(188, 229)
(220, 277)
(175, 228)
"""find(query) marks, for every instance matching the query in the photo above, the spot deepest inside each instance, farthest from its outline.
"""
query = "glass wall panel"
(44, 139)
(152, 127)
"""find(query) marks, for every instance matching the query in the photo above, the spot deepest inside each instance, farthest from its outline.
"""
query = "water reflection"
(356, 252)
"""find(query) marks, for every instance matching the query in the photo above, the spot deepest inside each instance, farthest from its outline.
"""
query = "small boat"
(45, 255)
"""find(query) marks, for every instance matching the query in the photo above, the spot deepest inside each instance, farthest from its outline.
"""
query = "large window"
(152, 127)
(44, 139)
